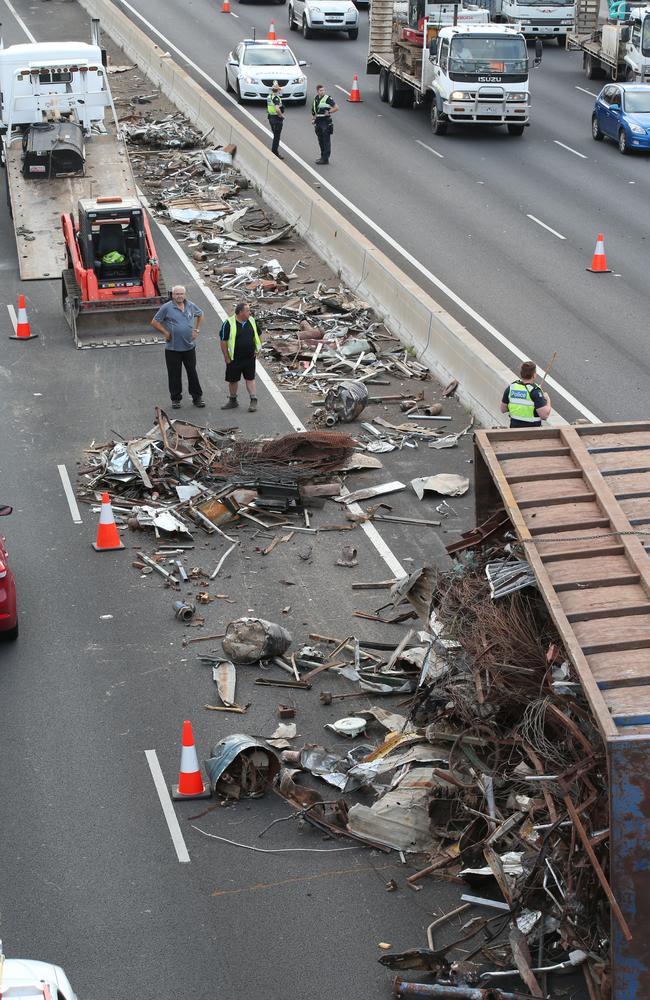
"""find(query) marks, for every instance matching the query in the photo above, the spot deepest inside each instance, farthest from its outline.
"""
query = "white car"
(26, 979)
(253, 67)
(324, 15)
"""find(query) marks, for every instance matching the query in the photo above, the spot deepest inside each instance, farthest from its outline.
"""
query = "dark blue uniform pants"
(276, 124)
(323, 135)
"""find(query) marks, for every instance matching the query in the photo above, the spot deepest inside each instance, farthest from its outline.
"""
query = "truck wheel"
(593, 69)
(563, 41)
(438, 122)
(623, 145)
(383, 85)
(306, 30)
(398, 96)
(595, 129)
(515, 129)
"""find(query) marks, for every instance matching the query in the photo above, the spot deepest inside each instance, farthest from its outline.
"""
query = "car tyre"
(11, 634)
(515, 129)
(595, 129)
(623, 144)
(306, 30)
(439, 123)
(301, 103)
(228, 89)
(240, 99)
(383, 85)
(292, 22)
(353, 35)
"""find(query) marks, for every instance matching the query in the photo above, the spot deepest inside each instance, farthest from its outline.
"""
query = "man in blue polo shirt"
(179, 321)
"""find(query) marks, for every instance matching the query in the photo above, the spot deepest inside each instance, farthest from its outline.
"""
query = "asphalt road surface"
(90, 875)
(507, 225)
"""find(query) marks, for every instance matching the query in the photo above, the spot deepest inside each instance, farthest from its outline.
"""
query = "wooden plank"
(560, 516)
(629, 706)
(622, 632)
(535, 468)
(528, 449)
(604, 437)
(568, 543)
(552, 491)
(600, 598)
(636, 509)
(634, 485)
(627, 462)
(601, 570)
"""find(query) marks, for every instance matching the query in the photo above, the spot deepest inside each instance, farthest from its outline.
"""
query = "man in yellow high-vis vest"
(524, 400)
(240, 339)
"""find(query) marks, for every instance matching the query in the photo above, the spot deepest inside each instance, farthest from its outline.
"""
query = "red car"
(8, 613)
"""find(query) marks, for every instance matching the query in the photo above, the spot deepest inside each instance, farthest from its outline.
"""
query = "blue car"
(622, 113)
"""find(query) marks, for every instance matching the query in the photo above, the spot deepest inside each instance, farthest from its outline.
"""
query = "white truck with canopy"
(618, 48)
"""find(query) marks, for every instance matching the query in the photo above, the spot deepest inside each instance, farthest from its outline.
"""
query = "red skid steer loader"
(112, 285)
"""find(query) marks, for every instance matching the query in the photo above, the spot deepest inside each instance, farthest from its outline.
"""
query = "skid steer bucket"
(108, 324)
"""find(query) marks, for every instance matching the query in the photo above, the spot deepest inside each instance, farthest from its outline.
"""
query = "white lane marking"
(413, 261)
(583, 91)
(343, 89)
(20, 21)
(232, 14)
(12, 316)
(571, 150)
(180, 847)
(430, 148)
(544, 226)
(369, 530)
(67, 489)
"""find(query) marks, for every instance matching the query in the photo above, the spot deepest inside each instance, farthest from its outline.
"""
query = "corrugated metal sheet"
(579, 500)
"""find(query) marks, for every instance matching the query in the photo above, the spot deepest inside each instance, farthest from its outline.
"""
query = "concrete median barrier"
(442, 343)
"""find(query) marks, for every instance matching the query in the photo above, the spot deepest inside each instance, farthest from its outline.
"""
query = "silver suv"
(324, 15)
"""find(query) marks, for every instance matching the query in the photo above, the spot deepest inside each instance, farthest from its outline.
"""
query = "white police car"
(253, 66)
(26, 979)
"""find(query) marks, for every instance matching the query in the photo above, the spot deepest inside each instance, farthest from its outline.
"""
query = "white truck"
(58, 143)
(618, 48)
(469, 73)
(537, 18)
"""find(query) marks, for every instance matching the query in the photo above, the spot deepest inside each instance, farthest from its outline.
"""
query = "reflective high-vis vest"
(520, 402)
(233, 336)
(320, 107)
(113, 257)
(271, 107)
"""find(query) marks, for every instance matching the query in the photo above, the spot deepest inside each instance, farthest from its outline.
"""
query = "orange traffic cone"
(225, 7)
(107, 536)
(355, 94)
(190, 781)
(599, 261)
(271, 35)
(23, 331)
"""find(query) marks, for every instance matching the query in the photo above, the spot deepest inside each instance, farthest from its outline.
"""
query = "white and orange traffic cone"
(23, 331)
(355, 94)
(271, 35)
(108, 539)
(190, 780)
(225, 7)
(599, 261)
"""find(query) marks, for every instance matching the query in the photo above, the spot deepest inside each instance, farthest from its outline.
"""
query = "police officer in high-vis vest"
(322, 109)
(525, 401)
(275, 111)
(240, 339)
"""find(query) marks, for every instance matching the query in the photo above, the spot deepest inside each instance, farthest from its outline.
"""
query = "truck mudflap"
(108, 324)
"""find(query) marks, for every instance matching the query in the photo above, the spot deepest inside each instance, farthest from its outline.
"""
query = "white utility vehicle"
(27, 979)
(310, 16)
(253, 67)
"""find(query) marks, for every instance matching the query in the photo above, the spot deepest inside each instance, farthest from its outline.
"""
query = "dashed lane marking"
(544, 226)
(570, 149)
(173, 825)
(22, 24)
(69, 493)
(12, 316)
(342, 89)
(583, 91)
(430, 149)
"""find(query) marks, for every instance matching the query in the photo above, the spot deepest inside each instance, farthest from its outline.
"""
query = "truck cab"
(479, 76)
(538, 18)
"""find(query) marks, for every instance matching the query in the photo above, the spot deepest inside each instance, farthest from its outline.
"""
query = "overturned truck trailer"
(579, 501)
